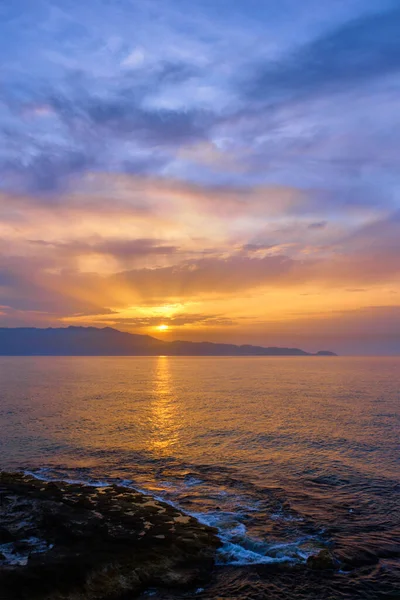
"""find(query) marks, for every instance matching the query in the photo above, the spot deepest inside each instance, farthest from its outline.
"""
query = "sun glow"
(162, 327)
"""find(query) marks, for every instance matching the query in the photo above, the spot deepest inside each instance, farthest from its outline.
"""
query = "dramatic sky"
(226, 168)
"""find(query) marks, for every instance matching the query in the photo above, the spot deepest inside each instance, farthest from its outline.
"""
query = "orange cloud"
(230, 258)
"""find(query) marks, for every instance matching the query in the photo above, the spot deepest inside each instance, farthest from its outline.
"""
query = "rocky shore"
(66, 541)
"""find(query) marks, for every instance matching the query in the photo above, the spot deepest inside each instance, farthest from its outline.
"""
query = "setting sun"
(200, 297)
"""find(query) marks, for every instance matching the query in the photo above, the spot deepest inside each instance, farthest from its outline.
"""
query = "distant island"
(93, 341)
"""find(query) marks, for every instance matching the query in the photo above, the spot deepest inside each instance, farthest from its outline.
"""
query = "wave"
(239, 548)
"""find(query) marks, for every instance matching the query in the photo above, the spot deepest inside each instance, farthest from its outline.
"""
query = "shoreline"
(72, 540)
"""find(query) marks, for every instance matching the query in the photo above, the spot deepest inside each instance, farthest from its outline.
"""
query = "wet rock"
(322, 561)
(21, 547)
(73, 541)
(5, 536)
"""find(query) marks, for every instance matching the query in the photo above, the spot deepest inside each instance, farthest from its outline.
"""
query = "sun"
(162, 327)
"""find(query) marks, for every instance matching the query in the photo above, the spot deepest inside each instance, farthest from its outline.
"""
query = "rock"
(322, 561)
(5, 536)
(21, 547)
(75, 541)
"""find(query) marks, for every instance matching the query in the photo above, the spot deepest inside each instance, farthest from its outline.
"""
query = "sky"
(203, 169)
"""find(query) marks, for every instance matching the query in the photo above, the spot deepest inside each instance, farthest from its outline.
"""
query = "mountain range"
(93, 341)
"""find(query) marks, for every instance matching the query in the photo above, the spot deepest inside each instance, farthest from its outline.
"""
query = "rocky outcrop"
(322, 561)
(65, 541)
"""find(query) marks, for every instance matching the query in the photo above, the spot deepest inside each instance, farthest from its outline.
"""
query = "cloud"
(121, 248)
(179, 112)
(172, 200)
(121, 117)
(257, 247)
(55, 129)
(378, 236)
(93, 252)
(49, 171)
(365, 48)
(138, 141)
(191, 162)
(178, 320)
(204, 277)
(318, 225)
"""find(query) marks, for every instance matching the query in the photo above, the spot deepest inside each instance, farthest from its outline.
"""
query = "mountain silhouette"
(93, 341)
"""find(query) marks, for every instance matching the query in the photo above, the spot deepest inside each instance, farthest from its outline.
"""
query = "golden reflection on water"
(164, 410)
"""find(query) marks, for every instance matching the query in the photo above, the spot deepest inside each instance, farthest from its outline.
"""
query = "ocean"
(285, 456)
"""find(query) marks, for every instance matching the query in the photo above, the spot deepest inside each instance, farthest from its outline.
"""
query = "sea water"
(285, 456)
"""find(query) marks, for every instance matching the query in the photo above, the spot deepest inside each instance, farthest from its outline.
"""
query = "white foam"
(237, 555)
(13, 558)
(37, 475)
(191, 481)
(238, 549)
